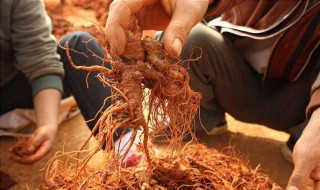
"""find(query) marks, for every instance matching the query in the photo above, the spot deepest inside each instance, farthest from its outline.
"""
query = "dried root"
(194, 167)
(145, 77)
(19, 150)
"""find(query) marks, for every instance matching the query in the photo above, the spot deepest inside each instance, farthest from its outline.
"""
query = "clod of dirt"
(19, 150)
(5, 181)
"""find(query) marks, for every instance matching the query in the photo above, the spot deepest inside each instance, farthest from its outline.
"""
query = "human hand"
(306, 156)
(46, 103)
(176, 17)
(39, 144)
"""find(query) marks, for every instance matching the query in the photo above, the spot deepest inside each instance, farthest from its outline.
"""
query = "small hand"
(39, 145)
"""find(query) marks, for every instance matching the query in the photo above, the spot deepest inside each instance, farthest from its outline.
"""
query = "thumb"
(185, 16)
(34, 142)
(300, 176)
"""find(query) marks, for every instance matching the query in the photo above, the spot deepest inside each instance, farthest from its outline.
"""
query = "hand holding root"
(30, 150)
(168, 15)
(143, 65)
(171, 106)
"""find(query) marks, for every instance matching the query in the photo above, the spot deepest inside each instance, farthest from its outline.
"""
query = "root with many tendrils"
(144, 77)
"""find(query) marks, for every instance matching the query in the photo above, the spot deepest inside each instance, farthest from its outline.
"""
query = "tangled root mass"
(144, 77)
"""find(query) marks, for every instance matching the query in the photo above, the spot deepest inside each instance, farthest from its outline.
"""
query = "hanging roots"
(144, 77)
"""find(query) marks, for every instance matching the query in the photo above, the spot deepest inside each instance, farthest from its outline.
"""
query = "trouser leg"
(219, 65)
(228, 84)
(304, 84)
(90, 99)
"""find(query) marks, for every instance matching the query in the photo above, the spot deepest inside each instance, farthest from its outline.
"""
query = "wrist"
(313, 126)
(315, 117)
(316, 112)
(49, 127)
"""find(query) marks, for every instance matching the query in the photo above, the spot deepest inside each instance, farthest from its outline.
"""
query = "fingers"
(298, 181)
(300, 176)
(315, 175)
(317, 185)
(276, 187)
(37, 147)
(34, 142)
(119, 17)
(186, 14)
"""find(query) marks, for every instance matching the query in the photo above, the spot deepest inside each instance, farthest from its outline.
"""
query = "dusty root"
(5, 181)
(194, 167)
(18, 151)
(198, 167)
(172, 107)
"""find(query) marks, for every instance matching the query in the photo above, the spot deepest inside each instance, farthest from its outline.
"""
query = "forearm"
(46, 104)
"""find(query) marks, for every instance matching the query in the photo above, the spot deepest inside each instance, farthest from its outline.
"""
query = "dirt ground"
(257, 144)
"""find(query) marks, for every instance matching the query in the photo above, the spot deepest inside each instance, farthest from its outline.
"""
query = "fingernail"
(176, 46)
(293, 188)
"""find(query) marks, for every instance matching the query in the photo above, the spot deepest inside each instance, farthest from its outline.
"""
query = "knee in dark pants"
(201, 36)
(75, 39)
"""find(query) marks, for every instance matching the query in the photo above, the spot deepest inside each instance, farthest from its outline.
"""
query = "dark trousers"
(91, 98)
(229, 84)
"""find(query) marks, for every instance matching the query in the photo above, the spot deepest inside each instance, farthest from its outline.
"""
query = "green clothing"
(27, 45)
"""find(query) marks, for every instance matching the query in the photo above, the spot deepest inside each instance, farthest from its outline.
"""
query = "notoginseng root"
(170, 100)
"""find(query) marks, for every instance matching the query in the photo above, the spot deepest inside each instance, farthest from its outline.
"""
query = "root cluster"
(150, 91)
(171, 104)
(19, 150)
(194, 167)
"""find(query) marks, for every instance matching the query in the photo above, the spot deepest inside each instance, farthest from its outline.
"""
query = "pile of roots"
(194, 167)
(19, 150)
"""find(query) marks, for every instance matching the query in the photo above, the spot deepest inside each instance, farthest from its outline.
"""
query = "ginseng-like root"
(193, 167)
(19, 150)
(144, 77)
